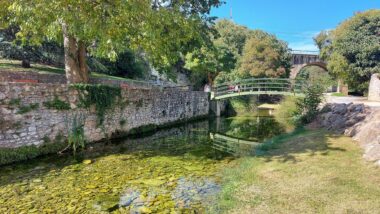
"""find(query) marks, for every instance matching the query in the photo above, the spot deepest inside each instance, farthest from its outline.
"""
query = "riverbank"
(312, 172)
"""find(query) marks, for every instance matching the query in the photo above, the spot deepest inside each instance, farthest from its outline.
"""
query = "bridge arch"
(297, 68)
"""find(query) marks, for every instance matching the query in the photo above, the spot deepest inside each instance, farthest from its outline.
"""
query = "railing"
(259, 86)
(232, 145)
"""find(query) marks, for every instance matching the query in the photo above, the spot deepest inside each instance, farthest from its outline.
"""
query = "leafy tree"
(355, 54)
(324, 42)
(208, 61)
(232, 35)
(106, 28)
(264, 56)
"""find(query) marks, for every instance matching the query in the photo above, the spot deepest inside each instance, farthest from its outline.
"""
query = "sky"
(295, 21)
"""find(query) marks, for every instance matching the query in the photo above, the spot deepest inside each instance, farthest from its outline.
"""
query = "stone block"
(374, 88)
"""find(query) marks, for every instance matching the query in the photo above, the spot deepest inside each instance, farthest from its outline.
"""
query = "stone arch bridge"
(301, 59)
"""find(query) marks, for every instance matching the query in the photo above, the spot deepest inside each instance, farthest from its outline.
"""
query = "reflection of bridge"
(258, 86)
(232, 145)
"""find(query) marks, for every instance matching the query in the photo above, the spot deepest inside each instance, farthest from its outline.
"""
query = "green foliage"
(232, 36)
(324, 42)
(318, 81)
(76, 138)
(128, 64)
(286, 114)
(307, 107)
(57, 104)
(355, 51)
(23, 109)
(122, 122)
(264, 56)
(315, 74)
(162, 29)
(10, 155)
(15, 102)
(103, 97)
(242, 105)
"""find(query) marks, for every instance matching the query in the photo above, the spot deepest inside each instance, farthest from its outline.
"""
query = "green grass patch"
(338, 95)
(15, 66)
(309, 171)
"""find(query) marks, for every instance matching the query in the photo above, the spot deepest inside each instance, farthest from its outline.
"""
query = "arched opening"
(316, 70)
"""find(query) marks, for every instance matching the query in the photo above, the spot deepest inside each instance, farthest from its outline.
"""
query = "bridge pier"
(216, 107)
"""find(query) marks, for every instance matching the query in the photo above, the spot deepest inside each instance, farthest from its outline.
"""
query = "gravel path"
(351, 99)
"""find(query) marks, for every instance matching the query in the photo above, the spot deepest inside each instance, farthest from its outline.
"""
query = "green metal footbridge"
(259, 86)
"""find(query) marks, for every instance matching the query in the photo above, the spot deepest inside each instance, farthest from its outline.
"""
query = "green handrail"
(256, 86)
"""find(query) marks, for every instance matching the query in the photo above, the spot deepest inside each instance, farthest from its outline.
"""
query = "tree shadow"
(310, 143)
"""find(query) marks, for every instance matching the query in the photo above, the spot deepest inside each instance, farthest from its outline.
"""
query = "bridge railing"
(260, 85)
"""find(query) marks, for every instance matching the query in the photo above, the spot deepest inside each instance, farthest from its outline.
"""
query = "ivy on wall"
(103, 97)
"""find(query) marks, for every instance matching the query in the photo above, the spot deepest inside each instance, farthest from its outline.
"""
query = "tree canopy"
(231, 35)
(355, 50)
(264, 56)
(162, 29)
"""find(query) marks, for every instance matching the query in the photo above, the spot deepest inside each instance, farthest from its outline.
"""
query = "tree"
(106, 28)
(264, 56)
(232, 36)
(324, 42)
(209, 60)
(355, 51)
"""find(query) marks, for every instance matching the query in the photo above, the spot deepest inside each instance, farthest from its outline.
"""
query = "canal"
(176, 170)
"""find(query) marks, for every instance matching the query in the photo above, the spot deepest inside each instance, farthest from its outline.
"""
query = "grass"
(15, 66)
(338, 94)
(309, 172)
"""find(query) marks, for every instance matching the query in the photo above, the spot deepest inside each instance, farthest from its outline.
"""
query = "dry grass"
(313, 173)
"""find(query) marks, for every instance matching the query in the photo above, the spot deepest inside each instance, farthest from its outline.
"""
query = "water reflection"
(240, 136)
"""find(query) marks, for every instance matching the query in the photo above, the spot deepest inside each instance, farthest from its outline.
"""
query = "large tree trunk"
(75, 59)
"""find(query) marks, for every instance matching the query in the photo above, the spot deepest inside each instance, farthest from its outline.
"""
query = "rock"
(87, 161)
(145, 210)
(340, 108)
(37, 180)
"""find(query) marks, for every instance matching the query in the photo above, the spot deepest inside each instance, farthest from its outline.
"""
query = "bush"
(286, 114)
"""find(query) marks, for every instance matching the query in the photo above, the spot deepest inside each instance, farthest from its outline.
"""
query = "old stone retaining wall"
(25, 120)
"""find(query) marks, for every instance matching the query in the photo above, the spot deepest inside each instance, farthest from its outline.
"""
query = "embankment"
(358, 121)
(37, 115)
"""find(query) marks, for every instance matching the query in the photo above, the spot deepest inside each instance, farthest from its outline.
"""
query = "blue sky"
(295, 21)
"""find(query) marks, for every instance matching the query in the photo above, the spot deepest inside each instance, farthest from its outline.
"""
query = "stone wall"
(374, 88)
(25, 120)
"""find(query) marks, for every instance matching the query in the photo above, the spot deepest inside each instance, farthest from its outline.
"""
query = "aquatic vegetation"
(171, 170)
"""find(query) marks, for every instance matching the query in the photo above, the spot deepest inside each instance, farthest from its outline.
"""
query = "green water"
(176, 170)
